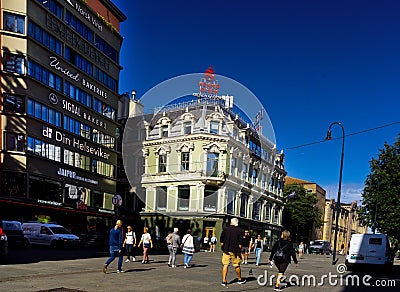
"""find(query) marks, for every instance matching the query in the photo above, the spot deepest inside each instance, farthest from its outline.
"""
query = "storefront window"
(14, 184)
(45, 189)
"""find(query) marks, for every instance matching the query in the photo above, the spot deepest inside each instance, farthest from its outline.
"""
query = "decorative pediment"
(163, 121)
(214, 147)
(187, 117)
(215, 116)
(162, 150)
(185, 147)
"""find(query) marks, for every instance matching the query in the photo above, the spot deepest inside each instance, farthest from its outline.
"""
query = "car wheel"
(54, 244)
(27, 243)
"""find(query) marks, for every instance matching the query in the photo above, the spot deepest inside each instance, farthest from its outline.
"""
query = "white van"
(369, 249)
(50, 234)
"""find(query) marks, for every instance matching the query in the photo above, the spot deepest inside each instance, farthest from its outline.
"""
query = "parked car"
(320, 247)
(50, 234)
(369, 249)
(3, 242)
(15, 236)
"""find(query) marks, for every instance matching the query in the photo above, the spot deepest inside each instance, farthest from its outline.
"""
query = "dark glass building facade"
(59, 101)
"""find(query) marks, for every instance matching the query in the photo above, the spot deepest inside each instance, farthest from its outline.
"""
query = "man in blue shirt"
(116, 240)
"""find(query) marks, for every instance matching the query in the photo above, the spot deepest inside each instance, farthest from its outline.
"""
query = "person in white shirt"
(147, 243)
(213, 242)
(129, 244)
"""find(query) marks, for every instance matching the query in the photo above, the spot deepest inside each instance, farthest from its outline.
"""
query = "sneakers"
(133, 259)
(173, 266)
(224, 284)
(242, 281)
(120, 271)
(127, 261)
(277, 289)
(104, 268)
(143, 262)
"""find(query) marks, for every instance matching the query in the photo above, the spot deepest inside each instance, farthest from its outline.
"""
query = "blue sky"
(310, 63)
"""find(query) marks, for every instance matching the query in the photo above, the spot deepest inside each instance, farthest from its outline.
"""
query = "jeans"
(258, 255)
(113, 253)
(172, 254)
(187, 258)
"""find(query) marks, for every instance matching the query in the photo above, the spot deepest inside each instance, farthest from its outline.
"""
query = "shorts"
(282, 266)
(245, 249)
(231, 257)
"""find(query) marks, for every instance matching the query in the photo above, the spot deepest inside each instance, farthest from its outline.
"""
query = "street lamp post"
(329, 137)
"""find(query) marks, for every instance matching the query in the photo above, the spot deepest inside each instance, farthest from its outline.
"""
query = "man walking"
(115, 241)
(231, 246)
(246, 246)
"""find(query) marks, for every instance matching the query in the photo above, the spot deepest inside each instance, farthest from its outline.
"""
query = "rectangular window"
(230, 207)
(185, 160)
(14, 63)
(45, 38)
(14, 142)
(161, 198)
(187, 128)
(164, 131)
(244, 171)
(13, 103)
(267, 212)
(255, 174)
(14, 22)
(263, 179)
(183, 198)
(233, 166)
(210, 198)
(276, 215)
(256, 210)
(212, 164)
(162, 163)
(214, 127)
(243, 205)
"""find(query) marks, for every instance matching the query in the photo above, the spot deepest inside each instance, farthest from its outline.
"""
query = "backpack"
(279, 252)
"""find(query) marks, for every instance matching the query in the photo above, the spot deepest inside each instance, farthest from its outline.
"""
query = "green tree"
(301, 213)
(381, 194)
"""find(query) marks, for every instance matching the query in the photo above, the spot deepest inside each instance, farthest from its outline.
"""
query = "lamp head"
(328, 135)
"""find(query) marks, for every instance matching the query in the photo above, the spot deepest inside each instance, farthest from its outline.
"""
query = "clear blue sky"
(310, 63)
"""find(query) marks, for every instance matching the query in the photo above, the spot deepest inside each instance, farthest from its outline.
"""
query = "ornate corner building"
(59, 98)
(203, 165)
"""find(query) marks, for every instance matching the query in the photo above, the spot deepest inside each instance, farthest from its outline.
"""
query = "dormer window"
(164, 131)
(214, 127)
(187, 128)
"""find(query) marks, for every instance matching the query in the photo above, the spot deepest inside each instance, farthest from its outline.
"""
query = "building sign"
(81, 205)
(49, 202)
(208, 85)
(76, 42)
(94, 88)
(74, 142)
(117, 200)
(72, 175)
(257, 120)
(86, 15)
(77, 110)
(54, 63)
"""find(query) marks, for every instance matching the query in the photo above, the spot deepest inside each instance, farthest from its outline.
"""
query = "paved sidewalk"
(205, 275)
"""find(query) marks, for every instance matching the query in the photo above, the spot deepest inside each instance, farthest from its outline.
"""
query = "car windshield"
(318, 242)
(59, 230)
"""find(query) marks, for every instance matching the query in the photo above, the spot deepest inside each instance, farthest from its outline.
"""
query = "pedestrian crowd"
(235, 245)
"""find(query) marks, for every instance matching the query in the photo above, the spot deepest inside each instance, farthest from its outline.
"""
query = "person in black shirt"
(231, 246)
(283, 261)
(246, 246)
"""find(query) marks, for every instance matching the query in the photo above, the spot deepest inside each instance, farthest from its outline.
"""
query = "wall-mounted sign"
(53, 98)
(94, 88)
(86, 15)
(49, 202)
(74, 142)
(208, 85)
(81, 112)
(54, 63)
(72, 175)
(117, 200)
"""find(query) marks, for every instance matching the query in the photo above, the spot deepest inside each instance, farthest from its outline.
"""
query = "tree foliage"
(381, 195)
(301, 213)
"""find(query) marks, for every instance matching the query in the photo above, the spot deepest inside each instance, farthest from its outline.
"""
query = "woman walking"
(147, 243)
(129, 244)
(301, 249)
(281, 253)
(187, 249)
(258, 248)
